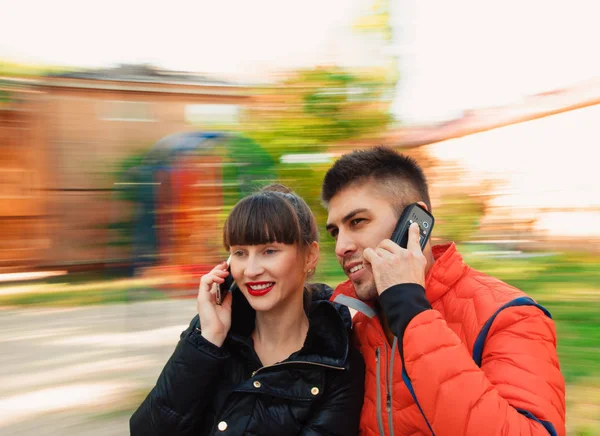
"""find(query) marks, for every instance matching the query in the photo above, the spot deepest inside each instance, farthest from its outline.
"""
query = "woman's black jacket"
(205, 389)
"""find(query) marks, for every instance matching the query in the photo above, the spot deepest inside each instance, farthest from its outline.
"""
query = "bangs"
(262, 218)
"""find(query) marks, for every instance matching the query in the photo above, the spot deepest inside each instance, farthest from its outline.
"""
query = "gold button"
(315, 391)
(222, 426)
(256, 384)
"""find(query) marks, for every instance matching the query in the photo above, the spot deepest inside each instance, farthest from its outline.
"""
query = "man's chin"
(365, 292)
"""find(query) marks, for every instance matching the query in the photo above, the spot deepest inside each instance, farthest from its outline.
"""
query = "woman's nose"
(254, 267)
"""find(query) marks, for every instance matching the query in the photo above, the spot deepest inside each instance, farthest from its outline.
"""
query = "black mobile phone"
(413, 213)
(224, 287)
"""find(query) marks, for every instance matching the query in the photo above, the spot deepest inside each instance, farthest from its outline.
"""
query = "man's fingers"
(383, 252)
(390, 246)
(414, 234)
(369, 255)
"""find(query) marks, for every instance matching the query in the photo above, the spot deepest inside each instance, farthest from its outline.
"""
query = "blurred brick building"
(63, 136)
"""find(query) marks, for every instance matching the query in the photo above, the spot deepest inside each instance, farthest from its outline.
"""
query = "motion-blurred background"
(129, 129)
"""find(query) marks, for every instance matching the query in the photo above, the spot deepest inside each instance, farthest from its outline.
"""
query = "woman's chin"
(263, 303)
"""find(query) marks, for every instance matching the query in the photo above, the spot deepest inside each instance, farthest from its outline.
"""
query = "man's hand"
(393, 265)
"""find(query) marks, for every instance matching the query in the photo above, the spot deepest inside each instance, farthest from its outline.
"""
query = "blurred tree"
(124, 172)
(377, 25)
(4, 96)
(312, 109)
(458, 217)
(10, 68)
(306, 114)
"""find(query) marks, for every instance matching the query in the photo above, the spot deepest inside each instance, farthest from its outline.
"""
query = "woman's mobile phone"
(413, 213)
(224, 287)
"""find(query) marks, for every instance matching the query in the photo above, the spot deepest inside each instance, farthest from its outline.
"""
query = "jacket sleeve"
(518, 389)
(338, 412)
(185, 385)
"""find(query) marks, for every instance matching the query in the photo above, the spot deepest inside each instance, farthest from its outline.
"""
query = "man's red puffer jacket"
(483, 361)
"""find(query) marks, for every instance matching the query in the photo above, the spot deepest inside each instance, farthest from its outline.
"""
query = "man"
(449, 350)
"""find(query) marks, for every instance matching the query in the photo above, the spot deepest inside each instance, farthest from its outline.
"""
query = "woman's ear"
(312, 257)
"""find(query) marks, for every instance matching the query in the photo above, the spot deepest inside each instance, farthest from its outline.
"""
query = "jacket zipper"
(389, 386)
(296, 362)
(378, 384)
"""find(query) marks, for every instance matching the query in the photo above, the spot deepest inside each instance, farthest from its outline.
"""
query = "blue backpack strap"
(481, 337)
(480, 341)
(408, 384)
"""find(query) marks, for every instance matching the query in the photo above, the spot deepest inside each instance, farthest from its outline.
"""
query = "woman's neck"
(277, 334)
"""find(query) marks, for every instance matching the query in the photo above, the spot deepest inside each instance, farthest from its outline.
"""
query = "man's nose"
(344, 245)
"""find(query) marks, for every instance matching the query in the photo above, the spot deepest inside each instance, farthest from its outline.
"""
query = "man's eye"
(334, 233)
(356, 221)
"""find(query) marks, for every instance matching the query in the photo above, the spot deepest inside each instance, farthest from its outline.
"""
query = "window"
(212, 113)
(117, 110)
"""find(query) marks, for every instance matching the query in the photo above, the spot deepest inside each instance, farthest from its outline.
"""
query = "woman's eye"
(238, 253)
(270, 251)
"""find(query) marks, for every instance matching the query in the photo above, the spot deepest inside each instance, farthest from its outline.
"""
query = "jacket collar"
(443, 274)
(448, 268)
(327, 340)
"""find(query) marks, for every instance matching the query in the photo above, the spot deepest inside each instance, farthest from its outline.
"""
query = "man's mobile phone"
(413, 213)
(224, 287)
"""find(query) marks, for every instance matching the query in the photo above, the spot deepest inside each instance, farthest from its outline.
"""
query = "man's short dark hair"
(400, 175)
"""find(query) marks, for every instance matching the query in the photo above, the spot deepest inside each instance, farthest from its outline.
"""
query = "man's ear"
(423, 205)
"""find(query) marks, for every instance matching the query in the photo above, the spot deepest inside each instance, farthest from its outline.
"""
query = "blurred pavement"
(83, 370)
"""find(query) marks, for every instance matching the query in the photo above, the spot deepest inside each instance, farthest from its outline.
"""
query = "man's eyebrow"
(348, 217)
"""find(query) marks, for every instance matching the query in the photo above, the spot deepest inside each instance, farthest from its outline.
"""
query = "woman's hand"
(215, 320)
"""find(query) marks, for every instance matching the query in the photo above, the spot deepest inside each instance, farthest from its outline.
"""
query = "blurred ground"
(83, 370)
(74, 362)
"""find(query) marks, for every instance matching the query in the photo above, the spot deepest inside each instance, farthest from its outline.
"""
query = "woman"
(275, 357)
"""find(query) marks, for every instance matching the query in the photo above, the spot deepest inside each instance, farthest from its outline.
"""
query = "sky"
(454, 55)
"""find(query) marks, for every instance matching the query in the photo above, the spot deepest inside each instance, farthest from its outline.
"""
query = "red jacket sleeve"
(517, 390)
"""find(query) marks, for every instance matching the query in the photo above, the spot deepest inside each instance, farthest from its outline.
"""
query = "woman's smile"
(257, 289)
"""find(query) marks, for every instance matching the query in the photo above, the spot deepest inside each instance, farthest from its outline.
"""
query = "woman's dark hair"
(274, 214)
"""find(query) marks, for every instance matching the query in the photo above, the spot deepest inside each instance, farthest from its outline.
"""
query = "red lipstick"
(258, 289)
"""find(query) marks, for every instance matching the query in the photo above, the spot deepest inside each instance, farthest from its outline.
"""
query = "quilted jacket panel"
(520, 371)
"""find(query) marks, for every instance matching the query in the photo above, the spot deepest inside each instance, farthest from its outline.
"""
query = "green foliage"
(318, 107)
(124, 172)
(247, 167)
(311, 110)
(4, 95)
(306, 179)
(16, 69)
(457, 218)
(376, 21)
